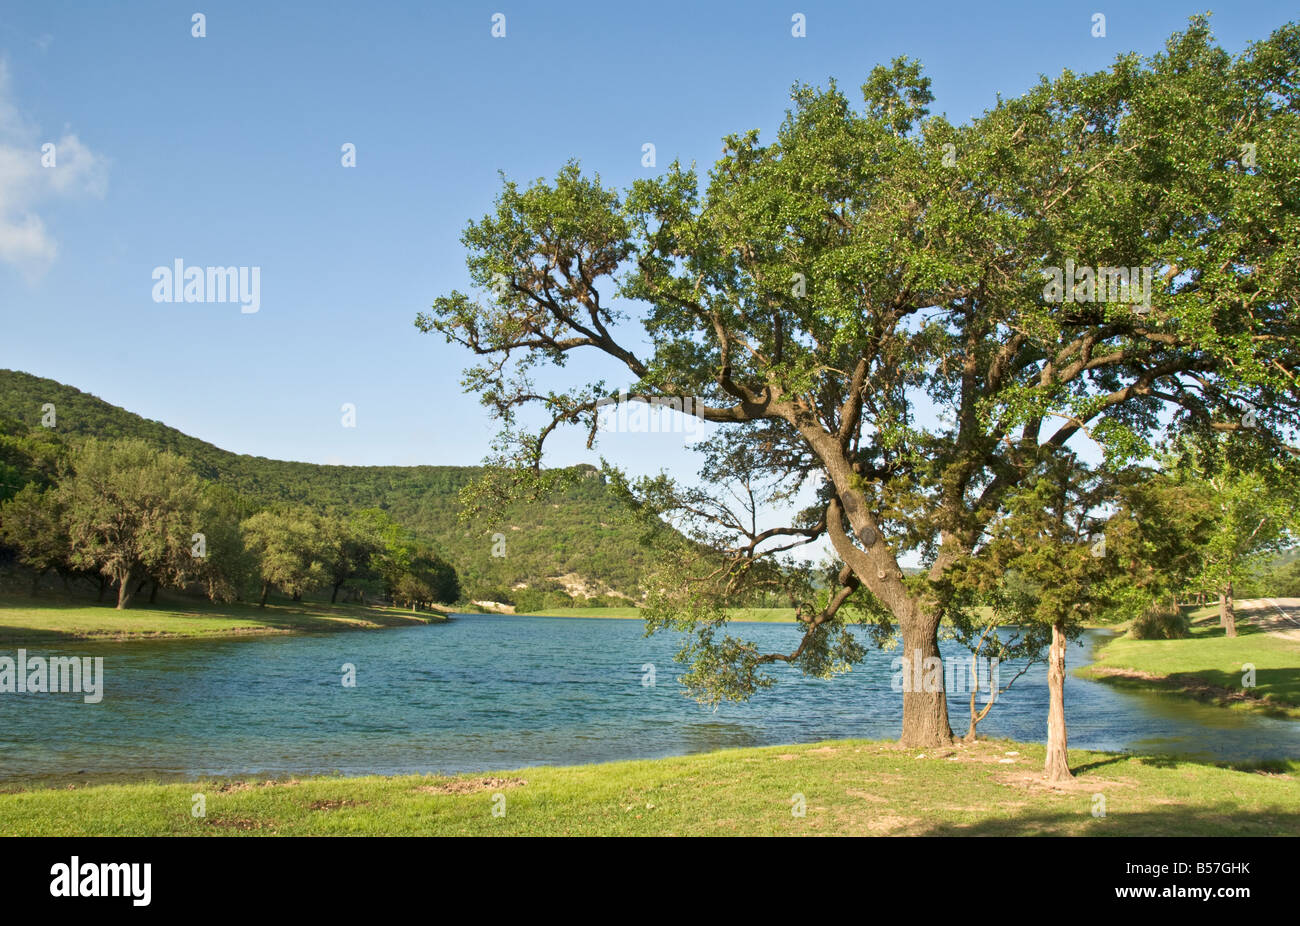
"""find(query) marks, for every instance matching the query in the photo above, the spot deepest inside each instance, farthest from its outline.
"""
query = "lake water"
(487, 692)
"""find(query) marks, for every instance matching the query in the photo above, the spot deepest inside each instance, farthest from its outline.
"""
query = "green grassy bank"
(51, 620)
(1208, 666)
(848, 787)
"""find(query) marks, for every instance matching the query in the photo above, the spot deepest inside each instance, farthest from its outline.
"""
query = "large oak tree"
(823, 292)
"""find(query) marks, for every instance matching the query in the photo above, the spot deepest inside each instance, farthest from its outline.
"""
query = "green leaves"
(861, 296)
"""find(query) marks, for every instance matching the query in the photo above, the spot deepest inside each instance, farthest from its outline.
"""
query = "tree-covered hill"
(578, 535)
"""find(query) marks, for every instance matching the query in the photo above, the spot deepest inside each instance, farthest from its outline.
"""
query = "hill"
(577, 540)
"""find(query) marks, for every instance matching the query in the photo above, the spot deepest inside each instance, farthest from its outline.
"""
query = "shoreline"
(53, 622)
(1206, 667)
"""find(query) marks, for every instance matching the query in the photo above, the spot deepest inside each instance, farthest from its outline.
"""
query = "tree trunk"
(335, 595)
(1057, 766)
(124, 591)
(37, 575)
(1227, 612)
(153, 592)
(266, 588)
(103, 584)
(925, 713)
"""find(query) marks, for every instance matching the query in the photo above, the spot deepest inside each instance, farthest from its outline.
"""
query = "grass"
(51, 620)
(849, 787)
(1208, 666)
(752, 615)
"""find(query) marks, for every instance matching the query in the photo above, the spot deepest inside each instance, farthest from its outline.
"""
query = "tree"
(438, 576)
(349, 549)
(129, 510)
(290, 547)
(32, 522)
(826, 291)
(1047, 532)
(1250, 504)
(221, 563)
(1005, 632)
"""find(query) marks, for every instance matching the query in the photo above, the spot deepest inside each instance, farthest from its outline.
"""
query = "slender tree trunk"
(266, 589)
(1227, 612)
(334, 597)
(925, 713)
(1057, 766)
(153, 592)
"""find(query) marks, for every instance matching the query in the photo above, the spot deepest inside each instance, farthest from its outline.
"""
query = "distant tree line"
(580, 530)
(127, 516)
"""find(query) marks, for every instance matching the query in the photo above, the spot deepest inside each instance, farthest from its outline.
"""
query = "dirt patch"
(244, 824)
(1033, 781)
(230, 787)
(887, 823)
(866, 796)
(332, 804)
(471, 785)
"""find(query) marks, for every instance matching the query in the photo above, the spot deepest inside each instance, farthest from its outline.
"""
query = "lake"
(484, 692)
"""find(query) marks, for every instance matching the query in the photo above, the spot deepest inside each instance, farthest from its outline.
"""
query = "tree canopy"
(926, 316)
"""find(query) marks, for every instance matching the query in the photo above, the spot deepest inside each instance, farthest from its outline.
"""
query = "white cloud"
(26, 185)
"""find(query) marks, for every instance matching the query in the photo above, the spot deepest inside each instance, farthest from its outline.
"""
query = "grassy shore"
(1208, 666)
(849, 787)
(52, 620)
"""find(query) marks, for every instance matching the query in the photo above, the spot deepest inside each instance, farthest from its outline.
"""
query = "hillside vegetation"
(576, 540)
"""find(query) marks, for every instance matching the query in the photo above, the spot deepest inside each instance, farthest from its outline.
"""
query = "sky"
(226, 150)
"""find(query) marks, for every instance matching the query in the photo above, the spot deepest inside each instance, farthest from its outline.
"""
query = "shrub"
(1156, 623)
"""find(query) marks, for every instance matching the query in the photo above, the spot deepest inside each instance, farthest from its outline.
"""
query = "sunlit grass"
(49, 619)
(1209, 666)
(847, 787)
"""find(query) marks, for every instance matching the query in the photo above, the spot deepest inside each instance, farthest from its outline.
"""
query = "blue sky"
(225, 150)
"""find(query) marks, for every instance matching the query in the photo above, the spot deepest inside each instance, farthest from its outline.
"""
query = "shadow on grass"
(1222, 819)
(1100, 763)
(31, 635)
